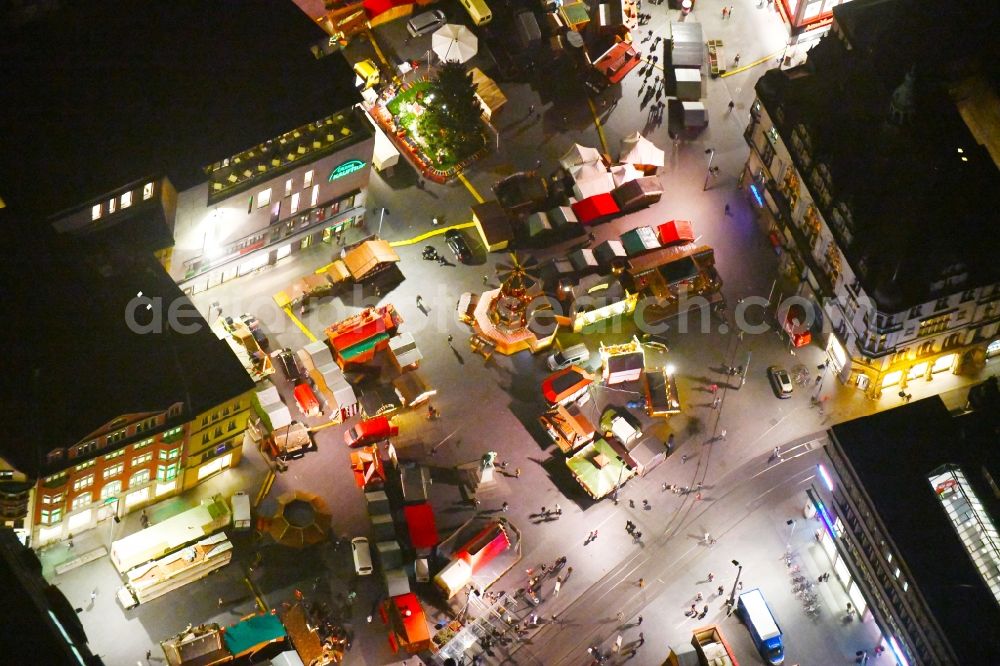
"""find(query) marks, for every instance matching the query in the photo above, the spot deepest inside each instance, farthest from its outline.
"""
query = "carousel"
(506, 319)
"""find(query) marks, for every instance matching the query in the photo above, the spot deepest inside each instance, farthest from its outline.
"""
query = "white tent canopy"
(637, 149)
(578, 155)
(452, 42)
(623, 173)
(591, 179)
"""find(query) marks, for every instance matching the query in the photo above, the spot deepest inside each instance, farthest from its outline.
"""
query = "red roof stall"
(306, 399)
(617, 61)
(595, 208)
(407, 623)
(369, 472)
(675, 232)
(357, 338)
(421, 525)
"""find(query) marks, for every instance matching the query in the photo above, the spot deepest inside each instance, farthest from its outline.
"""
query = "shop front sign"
(345, 168)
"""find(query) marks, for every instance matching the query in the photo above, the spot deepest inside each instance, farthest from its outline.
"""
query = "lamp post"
(731, 601)
(708, 174)
(381, 216)
(791, 524)
(618, 484)
(115, 518)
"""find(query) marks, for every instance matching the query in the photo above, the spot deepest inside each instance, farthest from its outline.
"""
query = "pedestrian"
(149, 655)
(711, 576)
(663, 487)
(642, 583)
(543, 511)
(531, 109)
(420, 300)
(684, 458)
(557, 587)
(558, 510)
(724, 10)
(670, 442)
(504, 506)
(517, 472)
(736, 60)
(739, 586)
(731, 105)
(642, 637)
(486, 279)
(450, 338)
(631, 504)
(722, 435)
(93, 595)
(69, 539)
(705, 612)
(727, 209)
(620, 616)
(645, 504)
(638, 621)
(638, 536)
(721, 590)
(694, 609)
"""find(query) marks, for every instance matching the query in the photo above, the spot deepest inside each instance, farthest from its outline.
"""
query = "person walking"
(420, 301)
(727, 209)
(722, 435)
(93, 595)
(711, 576)
(620, 616)
(638, 621)
(642, 584)
(721, 590)
(517, 472)
(684, 458)
(736, 60)
(642, 636)
(732, 104)
(724, 11)
(504, 507)
(450, 338)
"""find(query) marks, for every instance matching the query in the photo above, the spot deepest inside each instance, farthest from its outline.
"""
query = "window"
(83, 466)
(112, 205)
(264, 198)
(232, 426)
(126, 200)
(142, 460)
(772, 135)
(307, 180)
(143, 444)
(95, 211)
(52, 499)
(83, 482)
(116, 437)
(294, 204)
(172, 434)
(114, 470)
(288, 187)
(117, 454)
(171, 454)
(110, 489)
(81, 501)
(139, 478)
(166, 472)
(314, 197)
(56, 479)
(55, 455)
(51, 517)
(147, 191)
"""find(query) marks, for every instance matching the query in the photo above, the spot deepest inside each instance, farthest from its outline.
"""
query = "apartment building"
(909, 507)
(238, 145)
(113, 409)
(875, 172)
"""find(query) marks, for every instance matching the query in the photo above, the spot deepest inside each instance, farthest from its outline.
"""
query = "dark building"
(912, 526)
(39, 624)
(221, 136)
(875, 169)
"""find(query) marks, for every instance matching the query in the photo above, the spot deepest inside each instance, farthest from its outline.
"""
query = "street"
(735, 493)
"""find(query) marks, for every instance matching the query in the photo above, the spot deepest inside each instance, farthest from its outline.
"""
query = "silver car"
(421, 24)
(780, 381)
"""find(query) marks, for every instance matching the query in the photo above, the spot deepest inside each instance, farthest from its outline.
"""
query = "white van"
(362, 556)
(478, 10)
(241, 511)
(569, 356)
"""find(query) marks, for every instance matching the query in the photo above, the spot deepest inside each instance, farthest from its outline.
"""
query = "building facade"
(882, 327)
(133, 461)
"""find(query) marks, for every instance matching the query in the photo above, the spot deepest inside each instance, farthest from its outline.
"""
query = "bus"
(478, 10)
(763, 627)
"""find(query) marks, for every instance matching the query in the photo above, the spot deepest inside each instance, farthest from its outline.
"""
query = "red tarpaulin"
(595, 207)
(375, 7)
(307, 400)
(420, 521)
(795, 326)
(675, 232)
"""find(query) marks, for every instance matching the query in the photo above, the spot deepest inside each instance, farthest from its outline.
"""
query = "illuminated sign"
(348, 167)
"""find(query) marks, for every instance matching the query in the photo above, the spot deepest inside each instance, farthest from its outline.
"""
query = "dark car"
(289, 365)
(780, 381)
(456, 241)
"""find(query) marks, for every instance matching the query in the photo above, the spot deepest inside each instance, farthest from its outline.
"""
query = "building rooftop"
(77, 361)
(893, 454)
(885, 132)
(110, 92)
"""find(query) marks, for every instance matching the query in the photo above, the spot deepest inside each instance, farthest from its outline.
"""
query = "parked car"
(421, 24)
(291, 366)
(456, 241)
(780, 381)
(563, 358)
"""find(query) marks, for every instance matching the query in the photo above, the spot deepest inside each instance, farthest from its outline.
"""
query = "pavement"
(493, 405)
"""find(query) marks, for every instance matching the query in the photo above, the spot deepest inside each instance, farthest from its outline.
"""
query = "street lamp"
(115, 518)
(382, 212)
(791, 524)
(618, 484)
(731, 601)
(711, 156)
